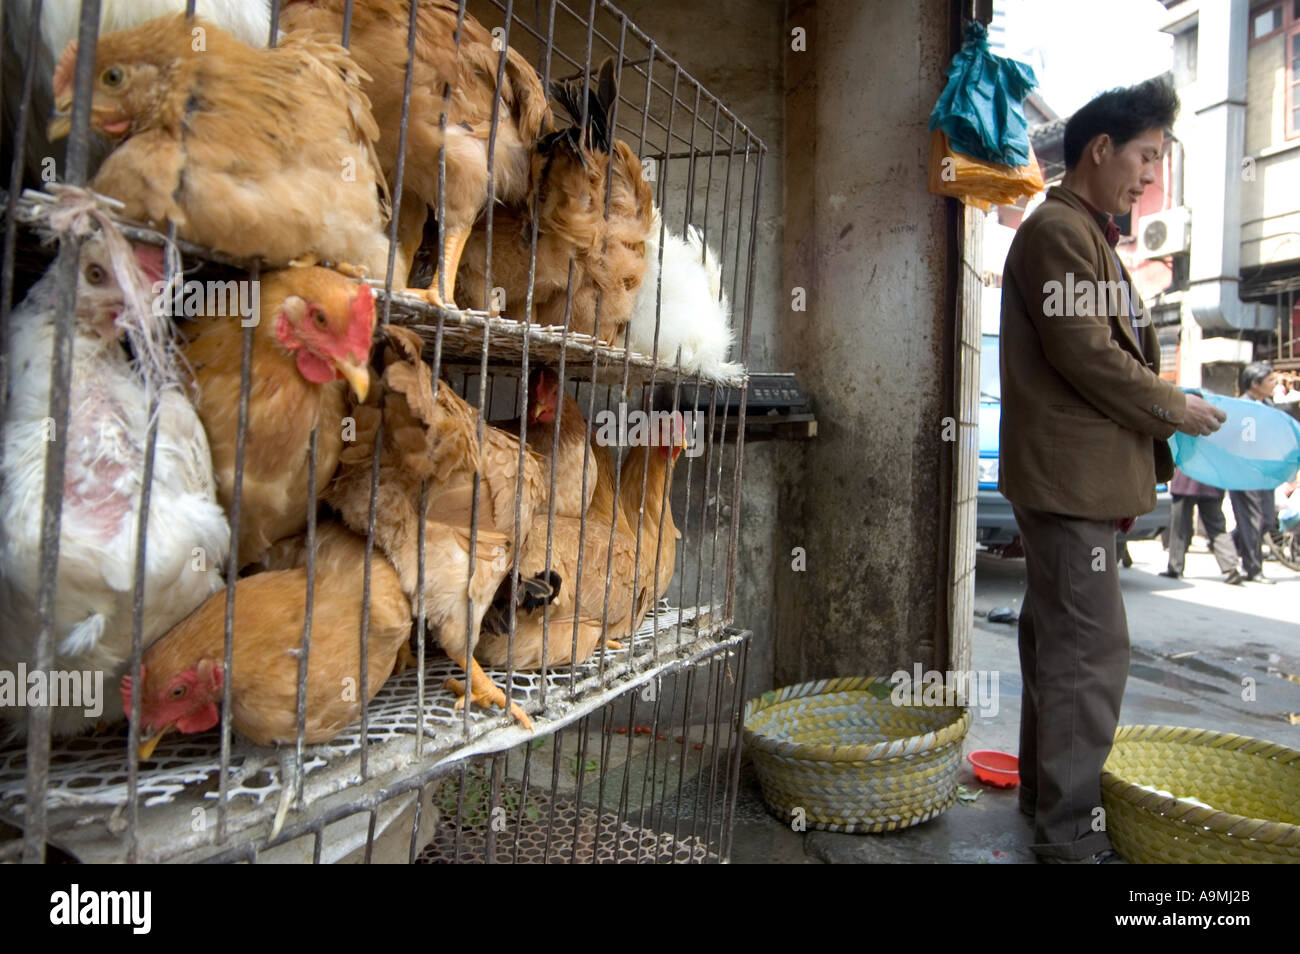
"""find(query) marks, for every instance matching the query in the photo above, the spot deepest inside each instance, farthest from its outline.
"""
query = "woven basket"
(851, 759)
(1253, 786)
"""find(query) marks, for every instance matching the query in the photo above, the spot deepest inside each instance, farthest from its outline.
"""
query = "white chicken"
(187, 535)
(249, 20)
(695, 312)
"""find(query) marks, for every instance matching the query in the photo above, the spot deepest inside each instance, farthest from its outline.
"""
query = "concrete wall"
(1265, 95)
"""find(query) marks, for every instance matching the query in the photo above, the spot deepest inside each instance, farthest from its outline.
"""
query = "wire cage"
(413, 776)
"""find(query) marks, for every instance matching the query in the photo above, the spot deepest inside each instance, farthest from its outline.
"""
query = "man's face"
(1125, 172)
(1264, 388)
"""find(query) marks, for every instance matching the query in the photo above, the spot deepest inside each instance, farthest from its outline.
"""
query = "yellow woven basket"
(1252, 786)
(840, 750)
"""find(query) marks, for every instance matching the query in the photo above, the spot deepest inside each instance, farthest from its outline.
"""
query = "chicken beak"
(61, 124)
(148, 745)
(357, 376)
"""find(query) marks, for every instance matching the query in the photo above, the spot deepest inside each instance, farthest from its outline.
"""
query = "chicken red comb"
(150, 258)
(361, 328)
(127, 687)
(672, 449)
(63, 73)
(545, 383)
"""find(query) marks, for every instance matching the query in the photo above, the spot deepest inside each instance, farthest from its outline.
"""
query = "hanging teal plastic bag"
(1256, 448)
(980, 108)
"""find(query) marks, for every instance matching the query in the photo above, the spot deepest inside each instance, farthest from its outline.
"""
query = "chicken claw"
(406, 659)
(452, 250)
(613, 645)
(431, 295)
(484, 692)
(290, 787)
(351, 271)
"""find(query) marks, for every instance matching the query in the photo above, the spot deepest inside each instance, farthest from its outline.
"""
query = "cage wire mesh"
(640, 731)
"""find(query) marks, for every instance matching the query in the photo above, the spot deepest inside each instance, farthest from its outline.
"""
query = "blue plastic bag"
(980, 108)
(1256, 448)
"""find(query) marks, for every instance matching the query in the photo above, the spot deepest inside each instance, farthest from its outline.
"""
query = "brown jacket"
(1085, 414)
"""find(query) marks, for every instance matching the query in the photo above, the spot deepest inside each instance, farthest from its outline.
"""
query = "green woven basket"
(852, 760)
(1253, 786)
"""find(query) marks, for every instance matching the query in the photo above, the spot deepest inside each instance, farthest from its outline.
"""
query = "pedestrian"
(1085, 422)
(1253, 509)
(1191, 496)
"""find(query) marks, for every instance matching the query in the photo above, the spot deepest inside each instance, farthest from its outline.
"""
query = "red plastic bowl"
(996, 768)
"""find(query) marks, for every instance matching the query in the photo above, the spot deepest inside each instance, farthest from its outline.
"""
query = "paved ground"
(1194, 642)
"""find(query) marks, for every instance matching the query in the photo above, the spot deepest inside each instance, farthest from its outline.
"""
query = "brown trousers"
(1074, 656)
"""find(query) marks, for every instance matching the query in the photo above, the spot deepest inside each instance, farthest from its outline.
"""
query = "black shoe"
(1234, 578)
(1107, 856)
(1171, 574)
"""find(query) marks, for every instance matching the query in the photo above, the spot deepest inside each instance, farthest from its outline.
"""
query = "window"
(1265, 22)
(1293, 81)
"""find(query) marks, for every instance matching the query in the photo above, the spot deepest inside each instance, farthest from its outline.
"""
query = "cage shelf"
(463, 334)
(87, 792)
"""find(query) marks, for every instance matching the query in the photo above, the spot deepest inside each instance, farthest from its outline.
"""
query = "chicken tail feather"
(539, 590)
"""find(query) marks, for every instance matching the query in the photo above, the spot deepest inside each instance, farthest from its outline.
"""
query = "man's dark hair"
(1122, 113)
(1251, 373)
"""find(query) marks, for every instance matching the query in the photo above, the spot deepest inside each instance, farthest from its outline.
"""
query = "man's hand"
(1202, 417)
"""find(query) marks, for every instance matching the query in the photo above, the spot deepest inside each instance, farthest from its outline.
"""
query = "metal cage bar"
(644, 779)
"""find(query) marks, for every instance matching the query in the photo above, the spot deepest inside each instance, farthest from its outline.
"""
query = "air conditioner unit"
(1165, 233)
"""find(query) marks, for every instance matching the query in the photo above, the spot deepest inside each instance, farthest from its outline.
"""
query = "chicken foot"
(290, 786)
(406, 659)
(311, 260)
(453, 247)
(484, 691)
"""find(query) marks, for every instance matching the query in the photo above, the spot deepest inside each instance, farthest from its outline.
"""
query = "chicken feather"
(248, 20)
(455, 56)
(570, 173)
(269, 616)
(430, 434)
(694, 313)
(580, 610)
(258, 153)
(299, 372)
(187, 533)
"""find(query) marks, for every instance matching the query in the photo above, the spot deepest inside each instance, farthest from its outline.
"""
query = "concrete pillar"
(871, 248)
(1214, 172)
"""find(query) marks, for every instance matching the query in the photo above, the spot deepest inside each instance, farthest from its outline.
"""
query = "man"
(1253, 509)
(1190, 496)
(1085, 419)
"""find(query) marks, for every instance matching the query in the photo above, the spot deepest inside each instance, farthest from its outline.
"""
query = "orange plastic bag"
(981, 184)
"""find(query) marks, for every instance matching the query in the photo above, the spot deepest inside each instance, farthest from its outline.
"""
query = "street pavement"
(1198, 647)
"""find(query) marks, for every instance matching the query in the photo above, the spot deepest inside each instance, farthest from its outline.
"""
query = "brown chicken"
(571, 170)
(379, 43)
(544, 403)
(254, 152)
(579, 610)
(650, 467)
(182, 672)
(430, 433)
(312, 341)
